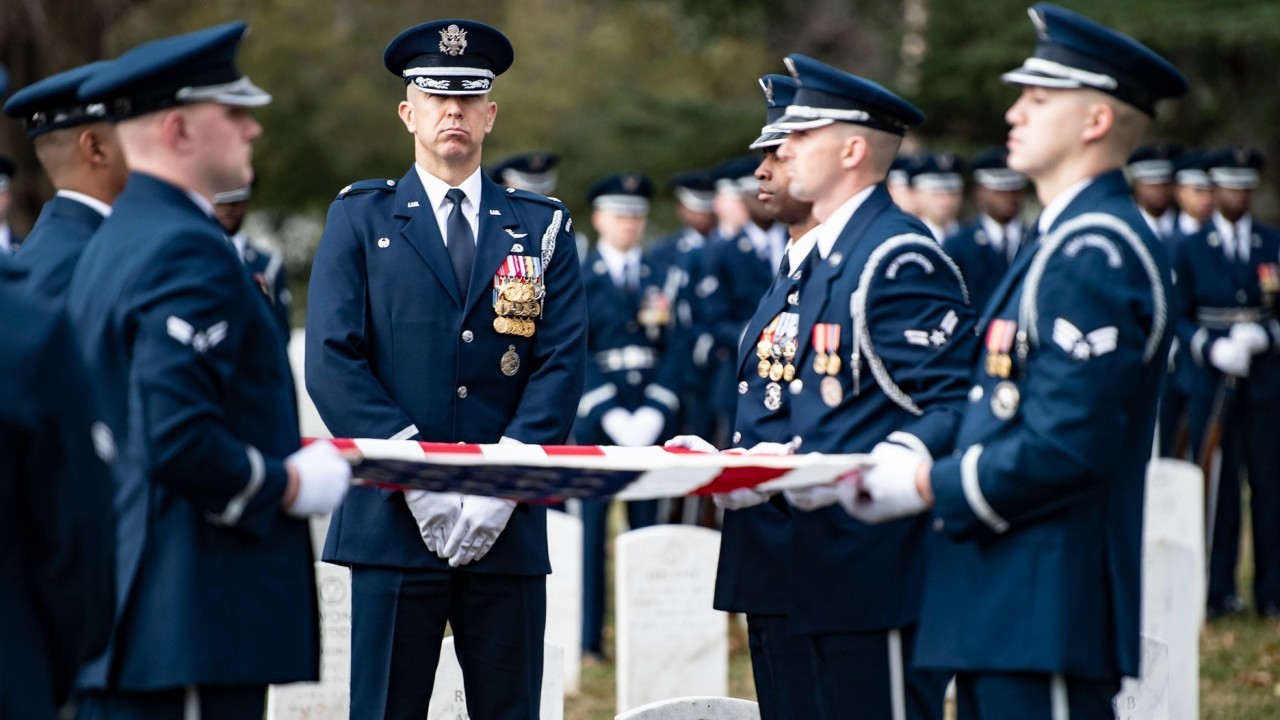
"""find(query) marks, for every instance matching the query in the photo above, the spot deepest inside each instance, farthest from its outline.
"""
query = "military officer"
(1192, 192)
(1034, 572)
(444, 307)
(214, 571)
(1228, 285)
(265, 265)
(55, 510)
(77, 146)
(633, 373)
(9, 239)
(755, 544)
(985, 248)
(899, 184)
(884, 328)
(1150, 172)
(937, 187)
(536, 171)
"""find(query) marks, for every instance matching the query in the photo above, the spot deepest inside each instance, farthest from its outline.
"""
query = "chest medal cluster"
(518, 294)
(827, 363)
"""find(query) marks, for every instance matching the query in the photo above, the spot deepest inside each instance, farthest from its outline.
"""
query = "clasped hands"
(894, 486)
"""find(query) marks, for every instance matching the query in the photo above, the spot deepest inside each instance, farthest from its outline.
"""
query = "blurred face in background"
(1233, 203)
(1155, 198)
(938, 206)
(1196, 202)
(621, 231)
(1000, 205)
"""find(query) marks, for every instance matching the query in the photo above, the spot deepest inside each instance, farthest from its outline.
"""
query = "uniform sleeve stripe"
(406, 433)
(909, 441)
(593, 399)
(664, 396)
(236, 505)
(973, 491)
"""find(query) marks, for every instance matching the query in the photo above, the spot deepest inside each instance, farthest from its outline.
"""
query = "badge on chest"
(518, 295)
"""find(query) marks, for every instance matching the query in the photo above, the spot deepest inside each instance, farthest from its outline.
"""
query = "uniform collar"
(436, 188)
(834, 224)
(1056, 206)
(617, 261)
(94, 203)
(798, 250)
(201, 202)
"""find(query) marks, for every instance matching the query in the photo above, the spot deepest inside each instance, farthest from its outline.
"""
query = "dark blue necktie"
(460, 240)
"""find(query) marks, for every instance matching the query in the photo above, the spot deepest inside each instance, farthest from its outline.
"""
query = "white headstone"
(564, 593)
(449, 700)
(1173, 579)
(695, 708)
(671, 643)
(1149, 697)
(309, 422)
(330, 698)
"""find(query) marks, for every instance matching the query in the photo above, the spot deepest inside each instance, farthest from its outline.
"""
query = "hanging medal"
(1268, 282)
(785, 344)
(764, 349)
(1000, 335)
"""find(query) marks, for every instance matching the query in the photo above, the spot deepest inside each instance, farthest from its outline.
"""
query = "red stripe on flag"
(344, 444)
(734, 478)
(576, 450)
(684, 451)
(450, 448)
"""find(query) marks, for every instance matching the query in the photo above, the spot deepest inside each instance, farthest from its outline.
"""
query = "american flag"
(545, 473)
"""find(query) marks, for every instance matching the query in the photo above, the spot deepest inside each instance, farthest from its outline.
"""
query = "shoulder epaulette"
(363, 186)
(527, 195)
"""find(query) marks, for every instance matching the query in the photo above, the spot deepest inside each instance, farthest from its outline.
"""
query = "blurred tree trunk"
(39, 38)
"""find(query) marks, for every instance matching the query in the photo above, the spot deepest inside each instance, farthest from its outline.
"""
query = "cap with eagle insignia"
(827, 95)
(779, 91)
(627, 193)
(990, 169)
(533, 171)
(449, 57)
(1238, 167)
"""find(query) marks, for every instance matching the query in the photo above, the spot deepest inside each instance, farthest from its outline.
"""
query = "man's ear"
(853, 151)
(1099, 119)
(406, 115)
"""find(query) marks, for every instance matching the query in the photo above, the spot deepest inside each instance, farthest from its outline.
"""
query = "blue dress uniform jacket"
(393, 350)
(679, 261)
(904, 381)
(55, 513)
(266, 267)
(740, 279)
(1035, 563)
(214, 583)
(631, 363)
(981, 263)
(50, 252)
(755, 542)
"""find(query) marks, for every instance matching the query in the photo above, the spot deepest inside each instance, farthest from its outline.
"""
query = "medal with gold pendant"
(784, 347)
(1000, 336)
(764, 349)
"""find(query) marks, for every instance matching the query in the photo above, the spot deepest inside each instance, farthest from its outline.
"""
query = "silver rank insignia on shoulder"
(938, 336)
(200, 341)
(384, 242)
(515, 234)
(1082, 346)
(517, 248)
(1004, 400)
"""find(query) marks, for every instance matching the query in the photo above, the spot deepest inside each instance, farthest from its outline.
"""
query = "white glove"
(1252, 336)
(646, 426)
(1230, 356)
(771, 448)
(740, 498)
(323, 479)
(479, 524)
(886, 490)
(812, 498)
(616, 423)
(692, 442)
(435, 513)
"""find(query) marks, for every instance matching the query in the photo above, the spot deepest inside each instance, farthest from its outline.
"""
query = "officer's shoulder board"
(518, 194)
(366, 186)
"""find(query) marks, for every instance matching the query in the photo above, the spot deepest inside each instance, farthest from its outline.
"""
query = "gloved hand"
(772, 448)
(435, 513)
(323, 479)
(1252, 335)
(1230, 356)
(646, 426)
(692, 442)
(740, 498)
(479, 524)
(616, 424)
(814, 497)
(887, 489)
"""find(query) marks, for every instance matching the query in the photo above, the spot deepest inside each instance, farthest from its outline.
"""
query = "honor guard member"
(1150, 172)
(444, 307)
(737, 270)
(985, 248)
(55, 510)
(265, 265)
(883, 334)
(1032, 595)
(937, 187)
(535, 172)
(1229, 286)
(215, 589)
(753, 575)
(1192, 191)
(631, 395)
(899, 183)
(77, 146)
(9, 240)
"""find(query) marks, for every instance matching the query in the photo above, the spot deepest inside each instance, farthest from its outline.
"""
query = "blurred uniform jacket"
(51, 250)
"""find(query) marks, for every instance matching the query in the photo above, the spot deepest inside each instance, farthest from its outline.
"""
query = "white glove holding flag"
(436, 514)
(1231, 356)
(690, 442)
(479, 524)
(886, 490)
(646, 426)
(1252, 336)
(616, 424)
(324, 477)
(750, 497)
